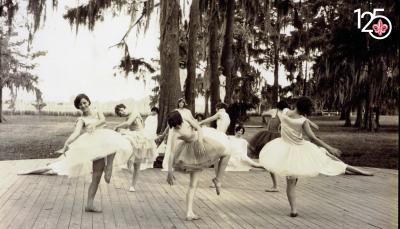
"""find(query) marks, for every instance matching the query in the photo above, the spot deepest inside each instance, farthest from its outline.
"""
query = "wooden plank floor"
(323, 202)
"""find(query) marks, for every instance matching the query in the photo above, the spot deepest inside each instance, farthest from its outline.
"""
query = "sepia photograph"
(189, 114)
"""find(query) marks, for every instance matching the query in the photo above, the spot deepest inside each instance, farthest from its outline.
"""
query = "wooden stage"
(323, 202)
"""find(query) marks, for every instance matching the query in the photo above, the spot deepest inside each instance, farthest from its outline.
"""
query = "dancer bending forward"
(199, 148)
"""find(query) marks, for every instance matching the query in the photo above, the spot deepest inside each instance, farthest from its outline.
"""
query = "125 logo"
(381, 25)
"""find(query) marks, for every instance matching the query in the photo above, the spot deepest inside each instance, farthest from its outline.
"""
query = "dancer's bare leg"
(351, 170)
(98, 169)
(274, 184)
(40, 171)
(136, 170)
(357, 171)
(219, 174)
(216, 168)
(291, 194)
(109, 167)
(194, 178)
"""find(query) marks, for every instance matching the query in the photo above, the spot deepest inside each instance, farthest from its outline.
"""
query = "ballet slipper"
(132, 189)
(217, 186)
(51, 173)
(293, 214)
(92, 209)
(271, 190)
(191, 218)
(60, 151)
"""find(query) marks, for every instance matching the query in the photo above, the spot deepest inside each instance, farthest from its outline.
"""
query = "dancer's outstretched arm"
(311, 135)
(133, 117)
(210, 119)
(312, 124)
(246, 158)
(75, 134)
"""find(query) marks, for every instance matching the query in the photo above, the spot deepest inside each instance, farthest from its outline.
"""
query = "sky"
(83, 62)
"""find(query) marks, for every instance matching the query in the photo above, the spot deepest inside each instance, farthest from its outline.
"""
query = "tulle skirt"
(189, 156)
(258, 141)
(143, 146)
(300, 160)
(94, 146)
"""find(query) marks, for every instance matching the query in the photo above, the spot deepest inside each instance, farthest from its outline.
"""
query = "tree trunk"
(276, 63)
(170, 89)
(368, 110)
(194, 23)
(1, 101)
(347, 123)
(359, 116)
(226, 56)
(1, 81)
(377, 116)
(343, 114)
(213, 47)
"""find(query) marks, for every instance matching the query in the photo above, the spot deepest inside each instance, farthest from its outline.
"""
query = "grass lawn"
(29, 137)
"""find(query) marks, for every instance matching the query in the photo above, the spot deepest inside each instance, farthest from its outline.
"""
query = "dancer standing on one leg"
(186, 115)
(293, 157)
(258, 141)
(197, 149)
(89, 149)
(143, 146)
(223, 122)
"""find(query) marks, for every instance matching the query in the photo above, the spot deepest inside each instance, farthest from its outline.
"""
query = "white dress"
(224, 121)
(150, 126)
(238, 160)
(150, 131)
(92, 146)
(291, 155)
(222, 87)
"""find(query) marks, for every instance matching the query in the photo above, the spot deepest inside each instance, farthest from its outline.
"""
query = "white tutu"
(219, 137)
(59, 166)
(143, 147)
(305, 159)
(93, 146)
(207, 132)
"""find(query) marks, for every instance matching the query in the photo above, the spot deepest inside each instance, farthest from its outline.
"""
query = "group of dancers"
(191, 146)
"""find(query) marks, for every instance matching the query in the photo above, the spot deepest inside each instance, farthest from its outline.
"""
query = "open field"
(32, 137)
